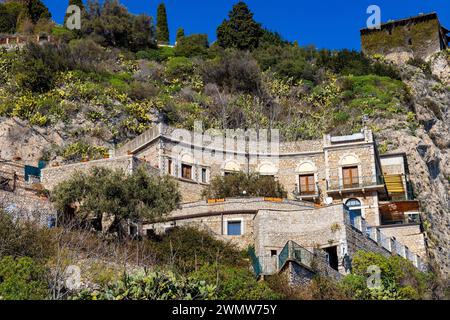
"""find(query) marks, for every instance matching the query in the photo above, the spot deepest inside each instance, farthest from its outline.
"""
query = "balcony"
(311, 194)
(400, 212)
(355, 184)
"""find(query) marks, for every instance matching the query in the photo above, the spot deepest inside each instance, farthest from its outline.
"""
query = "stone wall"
(50, 177)
(357, 241)
(26, 206)
(400, 43)
(408, 235)
(318, 228)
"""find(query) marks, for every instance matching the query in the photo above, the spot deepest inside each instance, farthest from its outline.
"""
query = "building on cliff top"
(417, 37)
(342, 195)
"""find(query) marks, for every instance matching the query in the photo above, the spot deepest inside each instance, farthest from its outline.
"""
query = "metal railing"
(310, 193)
(355, 183)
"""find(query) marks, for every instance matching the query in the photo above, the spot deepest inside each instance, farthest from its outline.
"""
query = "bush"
(192, 46)
(24, 238)
(152, 286)
(179, 68)
(235, 283)
(22, 279)
(254, 185)
(235, 71)
(78, 151)
(400, 279)
(187, 249)
(159, 54)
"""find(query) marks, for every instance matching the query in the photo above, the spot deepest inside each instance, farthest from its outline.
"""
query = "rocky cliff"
(427, 144)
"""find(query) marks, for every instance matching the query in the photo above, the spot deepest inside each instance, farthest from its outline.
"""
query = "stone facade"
(50, 177)
(421, 36)
(338, 216)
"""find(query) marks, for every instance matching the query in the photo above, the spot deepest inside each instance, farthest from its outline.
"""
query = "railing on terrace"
(293, 251)
(312, 192)
(339, 184)
(388, 243)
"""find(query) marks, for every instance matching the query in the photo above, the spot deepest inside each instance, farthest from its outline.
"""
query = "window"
(273, 253)
(234, 228)
(186, 171)
(350, 177)
(307, 184)
(169, 166)
(204, 175)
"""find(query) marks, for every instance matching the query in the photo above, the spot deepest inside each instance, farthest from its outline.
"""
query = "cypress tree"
(162, 27)
(180, 34)
(241, 31)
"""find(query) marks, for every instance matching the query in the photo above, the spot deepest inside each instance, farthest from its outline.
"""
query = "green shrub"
(240, 184)
(152, 286)
(160, 54)
(179, 67)
(192, 46)
(24, 238)
(80, 150)
(187, 249)
(235, 71)
(22, 279)
(235, 283)
(400, 279)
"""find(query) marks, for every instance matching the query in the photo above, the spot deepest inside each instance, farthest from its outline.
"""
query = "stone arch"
(306, 167)
(187, 158)
(267, 169)
(231, 166)
(349, 159)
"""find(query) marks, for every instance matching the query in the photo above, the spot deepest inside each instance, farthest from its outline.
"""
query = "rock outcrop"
(427, 144)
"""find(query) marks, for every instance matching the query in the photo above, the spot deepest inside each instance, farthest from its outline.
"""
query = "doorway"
(333, 260)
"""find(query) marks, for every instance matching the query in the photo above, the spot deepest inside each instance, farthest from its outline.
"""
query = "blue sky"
(332, 24)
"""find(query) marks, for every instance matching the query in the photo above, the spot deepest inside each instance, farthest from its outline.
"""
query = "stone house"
(421, 36)
(342, 195)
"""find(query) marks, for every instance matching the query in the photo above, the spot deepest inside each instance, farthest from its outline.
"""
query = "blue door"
(354, 209)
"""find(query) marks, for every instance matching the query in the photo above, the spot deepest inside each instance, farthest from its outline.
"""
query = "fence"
(388, 243)
(354, 183)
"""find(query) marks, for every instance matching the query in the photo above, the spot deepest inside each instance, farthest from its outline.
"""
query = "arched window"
(354, 209)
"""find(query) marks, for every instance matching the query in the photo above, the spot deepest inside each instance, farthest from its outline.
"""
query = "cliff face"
(427, 144)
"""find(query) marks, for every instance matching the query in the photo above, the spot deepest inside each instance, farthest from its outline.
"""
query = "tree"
(101, 194)
(162, 27)
(192, 46)
(180, 34)
(240, 184)
(36, 10)
(112, 25)
(241, 31)
(9, 13)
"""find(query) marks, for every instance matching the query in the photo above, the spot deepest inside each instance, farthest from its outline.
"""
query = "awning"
(394, 183)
